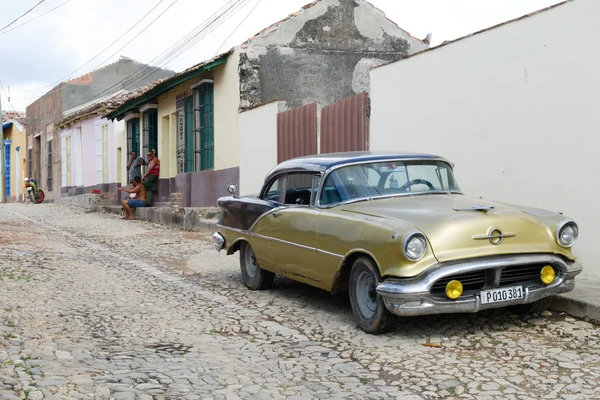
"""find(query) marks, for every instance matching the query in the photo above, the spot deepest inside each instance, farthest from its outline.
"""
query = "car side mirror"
(232, 189)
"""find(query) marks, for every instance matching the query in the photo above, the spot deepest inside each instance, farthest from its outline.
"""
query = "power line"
(237, 27)
(107, 47)
(7, 95)
(34, 18)
(90, 52)
(174, 51)
(180, 46)
(185, 43)
(21, 16)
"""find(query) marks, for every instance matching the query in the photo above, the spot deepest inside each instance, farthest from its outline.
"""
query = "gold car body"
(315, 244)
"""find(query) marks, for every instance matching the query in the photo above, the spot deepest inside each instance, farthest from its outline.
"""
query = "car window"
(275, 190)
(330, 194)
(372, 180)
(299, 189)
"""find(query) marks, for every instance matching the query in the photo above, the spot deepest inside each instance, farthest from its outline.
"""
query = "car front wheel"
(367, 306)
(254, 276)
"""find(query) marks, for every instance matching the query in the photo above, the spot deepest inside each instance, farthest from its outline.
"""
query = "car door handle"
(276, 214)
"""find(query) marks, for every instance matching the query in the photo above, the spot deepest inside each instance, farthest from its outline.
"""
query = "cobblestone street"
(95, 307)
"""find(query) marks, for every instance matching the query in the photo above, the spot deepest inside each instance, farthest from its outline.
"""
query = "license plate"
(29, 188)
(502, 294)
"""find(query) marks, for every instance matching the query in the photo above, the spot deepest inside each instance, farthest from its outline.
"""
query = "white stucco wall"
(227, 101)
(258, 146)
(516, 108)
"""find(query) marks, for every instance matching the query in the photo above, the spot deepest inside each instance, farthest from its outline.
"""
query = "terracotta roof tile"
(14, 115)
(112, 102)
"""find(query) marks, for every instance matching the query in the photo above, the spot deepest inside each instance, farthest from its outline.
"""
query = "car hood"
(452, 233)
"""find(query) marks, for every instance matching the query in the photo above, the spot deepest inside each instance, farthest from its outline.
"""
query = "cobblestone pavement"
(95, 307)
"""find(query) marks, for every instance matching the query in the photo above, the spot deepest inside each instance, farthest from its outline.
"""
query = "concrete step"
(163, 204)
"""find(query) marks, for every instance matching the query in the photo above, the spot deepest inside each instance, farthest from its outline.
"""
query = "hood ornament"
(495, 236)
(475, 208)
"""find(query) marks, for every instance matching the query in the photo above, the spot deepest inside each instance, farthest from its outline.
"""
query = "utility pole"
(2, 151)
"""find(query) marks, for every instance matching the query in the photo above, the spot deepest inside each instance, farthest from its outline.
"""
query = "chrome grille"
(470, 281)
(521, 273)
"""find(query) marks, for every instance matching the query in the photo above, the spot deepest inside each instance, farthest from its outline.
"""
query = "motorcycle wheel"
(40, 196)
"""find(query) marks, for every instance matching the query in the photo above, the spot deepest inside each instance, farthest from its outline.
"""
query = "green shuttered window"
(204, 130)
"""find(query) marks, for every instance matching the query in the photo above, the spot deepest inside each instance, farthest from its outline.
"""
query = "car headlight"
(414, 245)
(567, 233)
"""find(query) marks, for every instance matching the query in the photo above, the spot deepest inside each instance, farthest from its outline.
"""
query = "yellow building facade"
(14, 148)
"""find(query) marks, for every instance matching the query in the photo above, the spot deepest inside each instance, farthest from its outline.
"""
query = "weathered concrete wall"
(322, 54)
(516, 107)
(41, 116)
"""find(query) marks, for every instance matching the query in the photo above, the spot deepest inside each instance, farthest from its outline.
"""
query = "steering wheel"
(416, 182)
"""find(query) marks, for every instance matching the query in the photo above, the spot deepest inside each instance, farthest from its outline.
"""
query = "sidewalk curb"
(576, 307)
(187, 219)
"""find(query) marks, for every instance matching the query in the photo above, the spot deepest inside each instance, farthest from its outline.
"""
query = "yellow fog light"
(548, 275)
(454, 289)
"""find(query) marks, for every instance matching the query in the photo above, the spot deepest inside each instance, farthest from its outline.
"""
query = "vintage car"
(395, 231)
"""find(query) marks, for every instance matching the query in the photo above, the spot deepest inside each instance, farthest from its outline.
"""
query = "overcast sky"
(49, 49)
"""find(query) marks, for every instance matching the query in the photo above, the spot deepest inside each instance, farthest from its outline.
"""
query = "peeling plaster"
(287, 31)
(373, 23)
(286, 51)
(361, 77)
(322, 54)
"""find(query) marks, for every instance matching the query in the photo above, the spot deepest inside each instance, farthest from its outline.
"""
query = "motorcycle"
(35, 194)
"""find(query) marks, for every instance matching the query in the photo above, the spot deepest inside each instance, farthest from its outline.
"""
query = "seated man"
(139, 201)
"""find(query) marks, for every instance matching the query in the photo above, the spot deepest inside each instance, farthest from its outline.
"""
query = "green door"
(189, 134)
(135, 136)
(207, 127)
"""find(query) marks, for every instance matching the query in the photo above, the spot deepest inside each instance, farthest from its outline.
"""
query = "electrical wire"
(177, 49)
(90, 52)
(144, 72)
(34, 18)
(7, 95)
(21, 16)
(183, 45)
(107, 47)
(237, 27)
(214, 21)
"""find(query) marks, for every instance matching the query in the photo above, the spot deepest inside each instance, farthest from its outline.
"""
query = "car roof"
(322, 162)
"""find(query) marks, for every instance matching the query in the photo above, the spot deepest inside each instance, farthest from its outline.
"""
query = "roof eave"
(163, 87)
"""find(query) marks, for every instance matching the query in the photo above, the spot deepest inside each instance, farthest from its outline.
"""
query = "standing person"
(139, 201)
(150, 178)
(135, 165)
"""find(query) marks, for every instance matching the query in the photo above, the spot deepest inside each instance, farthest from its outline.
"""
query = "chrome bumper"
(412, 296)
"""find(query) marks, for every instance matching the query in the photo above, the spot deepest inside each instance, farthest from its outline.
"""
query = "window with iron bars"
(204, 131)
(50, 165)
(133, 136)
(30, 163)
(150, 131)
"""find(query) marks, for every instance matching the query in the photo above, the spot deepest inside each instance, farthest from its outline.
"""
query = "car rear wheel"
(367, 306)
(254, 276)
(532, 308)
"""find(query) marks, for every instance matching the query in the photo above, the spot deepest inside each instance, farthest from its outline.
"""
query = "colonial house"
(44, 159)
(14, 140)
(321, 54)
(90, 158)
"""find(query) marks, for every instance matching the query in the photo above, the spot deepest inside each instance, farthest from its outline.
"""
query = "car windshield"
(370, 180)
